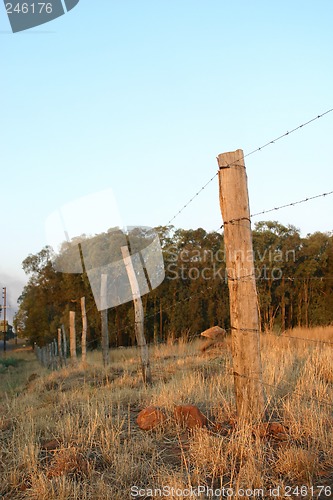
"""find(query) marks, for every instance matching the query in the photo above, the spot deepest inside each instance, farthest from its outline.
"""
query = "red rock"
(215, 333)
(190, 416)
(150, 417)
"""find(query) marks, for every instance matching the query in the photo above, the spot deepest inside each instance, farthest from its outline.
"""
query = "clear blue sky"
(140, 96)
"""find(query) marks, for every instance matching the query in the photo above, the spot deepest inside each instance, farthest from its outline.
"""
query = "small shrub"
(5, 362)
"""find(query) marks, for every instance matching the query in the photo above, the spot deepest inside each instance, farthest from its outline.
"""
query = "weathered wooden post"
(104, 321)
(72, 337)
(84, 331)
(234, 202)
(139, 316)
(60, 354)
(64, 341)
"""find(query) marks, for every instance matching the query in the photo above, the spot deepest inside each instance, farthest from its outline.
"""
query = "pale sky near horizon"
(140, 96)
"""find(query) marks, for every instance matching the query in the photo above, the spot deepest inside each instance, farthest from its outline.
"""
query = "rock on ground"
(150, 418)
(189, 416)
(215, 333)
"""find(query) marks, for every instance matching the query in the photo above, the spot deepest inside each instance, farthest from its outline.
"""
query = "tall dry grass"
(71, 434)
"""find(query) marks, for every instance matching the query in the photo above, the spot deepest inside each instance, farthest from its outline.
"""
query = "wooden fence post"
(139, 316)
(60, 352)
(104, 321)
(64, 341)
(234, 202)
(84, 331)
(72, 337)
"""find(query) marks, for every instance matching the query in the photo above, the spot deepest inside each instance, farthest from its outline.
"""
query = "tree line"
(294, 277)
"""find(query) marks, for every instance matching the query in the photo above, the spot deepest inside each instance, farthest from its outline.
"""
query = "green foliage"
(6, 362)
(10, 361)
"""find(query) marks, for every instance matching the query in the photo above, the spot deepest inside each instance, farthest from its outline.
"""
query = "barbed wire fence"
(49, 355)
(250, 153)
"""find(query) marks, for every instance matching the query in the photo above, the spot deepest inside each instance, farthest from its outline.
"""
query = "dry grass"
(71, 434)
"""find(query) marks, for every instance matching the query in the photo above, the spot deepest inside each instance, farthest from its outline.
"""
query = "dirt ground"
(14, 345)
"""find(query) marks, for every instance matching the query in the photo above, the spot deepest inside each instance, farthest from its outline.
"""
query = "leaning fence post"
(139, 315)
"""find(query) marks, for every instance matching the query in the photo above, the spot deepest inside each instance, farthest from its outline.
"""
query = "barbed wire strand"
(273, 141)
(273, 386)
(192, 199)
(291, 204)
(284, 336)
